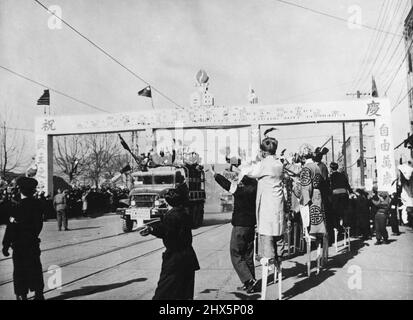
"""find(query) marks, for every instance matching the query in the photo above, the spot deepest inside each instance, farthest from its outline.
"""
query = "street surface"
(98, 261)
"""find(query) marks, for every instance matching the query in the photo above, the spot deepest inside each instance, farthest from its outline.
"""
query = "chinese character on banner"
(386, 163)
(372, 109)
(41, 143)
(48, 125)
(387, 178)
(385, 146)
(384, 130)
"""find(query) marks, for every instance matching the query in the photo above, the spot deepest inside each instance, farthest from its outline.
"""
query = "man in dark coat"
(22, 235)
(243, 230)
(340, 190)
(363, 214)
(179, 261)
(395, 202)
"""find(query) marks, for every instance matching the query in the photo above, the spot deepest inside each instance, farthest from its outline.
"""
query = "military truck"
(146, 201)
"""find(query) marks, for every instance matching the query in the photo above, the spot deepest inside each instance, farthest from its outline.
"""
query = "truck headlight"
(133, 202)
(157, 203)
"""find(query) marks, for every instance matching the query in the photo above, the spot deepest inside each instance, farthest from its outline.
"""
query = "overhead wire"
(335, 17)
(52, 89)
(94, 44)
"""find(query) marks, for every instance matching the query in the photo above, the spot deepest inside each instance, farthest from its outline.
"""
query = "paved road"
(98, 261)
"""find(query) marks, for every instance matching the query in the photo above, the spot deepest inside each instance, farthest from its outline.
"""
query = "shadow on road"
(307, 283)
(213, 222)
(84, 228)
(88, 290)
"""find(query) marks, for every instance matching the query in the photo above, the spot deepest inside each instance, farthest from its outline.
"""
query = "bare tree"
(12, 145)
(103, 149)
(71, 156)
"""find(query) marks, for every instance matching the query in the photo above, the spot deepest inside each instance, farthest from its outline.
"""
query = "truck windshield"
(163, 179)
(144, 179)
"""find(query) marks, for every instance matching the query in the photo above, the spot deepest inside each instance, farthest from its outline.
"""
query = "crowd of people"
(269, 194)
(274, 192)
(79, 200)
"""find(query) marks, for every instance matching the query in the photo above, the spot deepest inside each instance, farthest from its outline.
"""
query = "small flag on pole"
(374, 92)
(146, 92)
(124, 144)
(44, 100)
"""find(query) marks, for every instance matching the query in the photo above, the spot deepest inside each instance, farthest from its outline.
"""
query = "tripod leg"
(318, 257)
(264, 266)
(295, 238)
(335, 239)
(308, 256)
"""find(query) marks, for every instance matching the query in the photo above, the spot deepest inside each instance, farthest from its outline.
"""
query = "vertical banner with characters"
(44, 162)
(386, 168)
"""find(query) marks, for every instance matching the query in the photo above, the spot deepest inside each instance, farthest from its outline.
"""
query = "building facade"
(352, 149)
(408, 37)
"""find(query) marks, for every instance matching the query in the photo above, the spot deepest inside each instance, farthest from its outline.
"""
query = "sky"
(287, 54)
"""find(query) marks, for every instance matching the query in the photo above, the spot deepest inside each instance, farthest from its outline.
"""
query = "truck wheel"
(127, 225)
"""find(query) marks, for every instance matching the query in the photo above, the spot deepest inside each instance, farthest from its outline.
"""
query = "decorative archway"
(377, 110)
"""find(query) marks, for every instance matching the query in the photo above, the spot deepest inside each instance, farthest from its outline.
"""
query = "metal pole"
(361, 154)
(344, 148)
(332, 148)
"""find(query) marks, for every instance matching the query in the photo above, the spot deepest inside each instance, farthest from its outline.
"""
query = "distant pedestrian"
(382, 203)
(179, 261)
(60, 205)
(393, 213)
(22, 235)
(243, 230)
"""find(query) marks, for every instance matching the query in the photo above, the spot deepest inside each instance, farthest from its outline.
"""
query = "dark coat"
(244, 202)
(179, 260)
(22, 235)
(175, 232)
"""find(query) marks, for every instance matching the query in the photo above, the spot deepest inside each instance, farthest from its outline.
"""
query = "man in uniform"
(22, 235)
(60, 205)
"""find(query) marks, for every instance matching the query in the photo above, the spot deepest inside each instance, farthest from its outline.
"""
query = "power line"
(398, 69)
(400, 101)
(392, 40)
(109, 55)
(335, 17)
(380, 42)
(54, 90)
(383, 41)
(367, 53)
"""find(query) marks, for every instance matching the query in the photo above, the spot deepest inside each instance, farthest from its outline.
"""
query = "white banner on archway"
(222, 117)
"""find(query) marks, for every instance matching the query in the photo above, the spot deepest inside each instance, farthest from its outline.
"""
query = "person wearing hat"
(60, 205)
(179, 261)
(382, 202)
(243, 225)
(363, 213)
(340, 189)
(22, 235)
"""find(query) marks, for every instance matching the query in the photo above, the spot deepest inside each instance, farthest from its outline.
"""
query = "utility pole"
(332, 148)
(344, 151)
(361, 154)
(359, 94)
